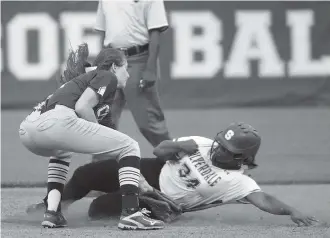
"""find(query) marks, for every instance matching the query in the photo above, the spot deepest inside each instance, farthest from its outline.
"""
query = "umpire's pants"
(144, 106)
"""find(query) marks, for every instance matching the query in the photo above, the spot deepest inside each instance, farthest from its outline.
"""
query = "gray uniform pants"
(59, 132)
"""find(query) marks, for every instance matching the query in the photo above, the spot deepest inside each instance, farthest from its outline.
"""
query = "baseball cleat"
(53, 220)
(139, 221)
(36, 208)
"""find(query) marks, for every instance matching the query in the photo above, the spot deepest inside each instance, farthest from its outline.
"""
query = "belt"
(133, 50)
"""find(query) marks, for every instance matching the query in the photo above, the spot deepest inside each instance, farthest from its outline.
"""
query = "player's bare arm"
(167, 149)
(150, 74)
(85, 104)
(270, 204)
(154, 36)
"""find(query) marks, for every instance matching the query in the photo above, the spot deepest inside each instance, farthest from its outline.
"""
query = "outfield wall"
(215, 54)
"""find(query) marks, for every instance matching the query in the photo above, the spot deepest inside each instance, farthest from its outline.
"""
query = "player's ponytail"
(76, 63)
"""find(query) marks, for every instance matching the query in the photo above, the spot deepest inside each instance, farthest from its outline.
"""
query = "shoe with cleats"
(53, 220)
(139, 220)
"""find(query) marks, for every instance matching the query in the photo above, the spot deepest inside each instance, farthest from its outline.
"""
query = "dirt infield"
(295, 142)
(227, 221)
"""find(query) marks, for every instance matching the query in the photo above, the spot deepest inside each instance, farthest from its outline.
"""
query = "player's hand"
(158, 195)
(161, 206)
(148, 80)
(302, 219)
(144, 186)
(188, 146)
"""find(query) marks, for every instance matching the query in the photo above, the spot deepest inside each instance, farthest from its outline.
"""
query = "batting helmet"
(237, 145)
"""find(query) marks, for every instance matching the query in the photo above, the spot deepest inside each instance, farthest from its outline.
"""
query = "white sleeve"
(201, 141)
(182, 138)
(100, 19)
(244, 186)
(156, 16)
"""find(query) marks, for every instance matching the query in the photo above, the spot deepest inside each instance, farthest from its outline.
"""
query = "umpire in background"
(135, 28)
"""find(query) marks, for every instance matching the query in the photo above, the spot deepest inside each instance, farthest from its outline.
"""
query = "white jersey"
(126, 22)
(193, 180)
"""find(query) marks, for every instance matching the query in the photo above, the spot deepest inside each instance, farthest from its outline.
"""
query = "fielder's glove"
(161, 206)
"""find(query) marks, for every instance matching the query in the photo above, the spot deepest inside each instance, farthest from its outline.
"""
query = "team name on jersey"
(211, 177)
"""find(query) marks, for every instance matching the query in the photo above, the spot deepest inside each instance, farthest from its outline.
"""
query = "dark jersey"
(104, 83)
(103, 109)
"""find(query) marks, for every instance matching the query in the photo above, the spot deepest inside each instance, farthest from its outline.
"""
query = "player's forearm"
(274, 206)
(87, 114)
(167, 148)
(154, 45)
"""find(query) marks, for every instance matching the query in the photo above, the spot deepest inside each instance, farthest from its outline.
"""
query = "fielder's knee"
(95, 211)
(132, 148)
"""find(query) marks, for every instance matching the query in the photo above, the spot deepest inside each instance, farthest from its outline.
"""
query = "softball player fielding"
(65, 122)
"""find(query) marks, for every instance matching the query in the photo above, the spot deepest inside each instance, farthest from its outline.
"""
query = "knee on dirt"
(94, 211)
(105, 206)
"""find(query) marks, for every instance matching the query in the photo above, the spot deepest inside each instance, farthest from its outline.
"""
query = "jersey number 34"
(184, 173)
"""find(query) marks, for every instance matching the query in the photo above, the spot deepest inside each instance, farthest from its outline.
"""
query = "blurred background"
(264, 63)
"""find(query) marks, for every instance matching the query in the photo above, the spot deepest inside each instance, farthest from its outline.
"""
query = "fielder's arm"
(270, 204)
(168, 149)
(85, 104)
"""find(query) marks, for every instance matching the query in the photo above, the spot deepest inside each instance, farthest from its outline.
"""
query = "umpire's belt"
(134, 50)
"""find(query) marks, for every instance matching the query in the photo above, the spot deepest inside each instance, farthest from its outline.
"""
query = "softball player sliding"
(65, 122)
